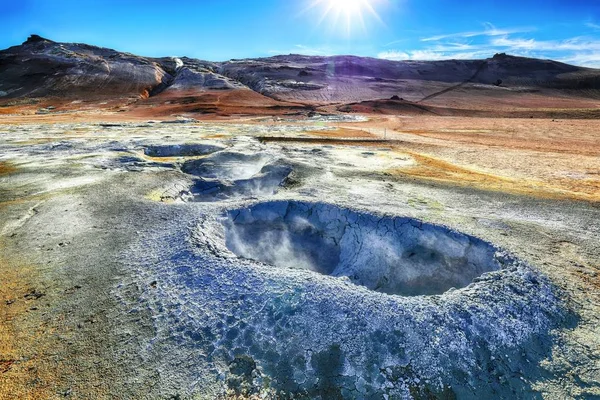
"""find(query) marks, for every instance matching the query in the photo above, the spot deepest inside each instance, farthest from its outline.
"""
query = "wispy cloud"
(593, 25)
(312, 50)
(579, 50)
(490, 30)
(454, 47)
(395, 42)
(591, 59)
(427, 55)
(571, 44)
(395, 55)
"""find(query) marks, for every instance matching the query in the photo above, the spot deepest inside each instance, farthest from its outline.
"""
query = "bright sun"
(347, 5)
(346, 14)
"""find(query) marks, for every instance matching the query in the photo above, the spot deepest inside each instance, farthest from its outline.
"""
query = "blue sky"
(397, 29)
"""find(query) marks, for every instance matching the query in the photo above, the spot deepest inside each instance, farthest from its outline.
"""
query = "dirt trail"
(471, 79)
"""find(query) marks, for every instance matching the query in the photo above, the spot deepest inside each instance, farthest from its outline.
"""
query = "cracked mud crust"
(390, 255)
(118, 279)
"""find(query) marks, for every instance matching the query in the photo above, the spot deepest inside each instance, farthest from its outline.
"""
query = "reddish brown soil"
(487, 108)
(24, 369)
(543, 157)
(192, 103)
(534, 156)
(6, 168)
(215, 103)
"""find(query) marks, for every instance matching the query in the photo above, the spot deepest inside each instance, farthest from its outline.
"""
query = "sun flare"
(346, 15)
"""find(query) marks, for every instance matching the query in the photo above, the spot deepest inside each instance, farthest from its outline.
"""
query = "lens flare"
(346, 15)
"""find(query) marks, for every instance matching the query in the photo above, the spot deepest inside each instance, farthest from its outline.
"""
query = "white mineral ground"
(193, 260)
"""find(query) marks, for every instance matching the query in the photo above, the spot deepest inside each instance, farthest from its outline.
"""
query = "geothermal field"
(297, 227)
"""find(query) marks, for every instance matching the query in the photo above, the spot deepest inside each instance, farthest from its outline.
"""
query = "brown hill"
(41, 73)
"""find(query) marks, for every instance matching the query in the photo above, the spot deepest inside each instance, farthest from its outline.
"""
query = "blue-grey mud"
(225, 260)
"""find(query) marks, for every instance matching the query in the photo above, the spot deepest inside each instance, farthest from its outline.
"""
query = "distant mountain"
(40, 67)
(349, 78)
(67, 72)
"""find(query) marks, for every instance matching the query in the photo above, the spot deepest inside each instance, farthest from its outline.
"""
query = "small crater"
(393, 255)
(229, 174)
(181, 150)
(227, 165)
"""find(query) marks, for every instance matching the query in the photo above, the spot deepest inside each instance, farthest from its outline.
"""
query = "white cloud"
(571, 44)
(312, 50)
(590, 60)
(579, 50)
(437, 55)
(394, 42)
(394, 55)
(490, 30)
(430, 55)
(526, 44)
(593, 25)
(454, 47)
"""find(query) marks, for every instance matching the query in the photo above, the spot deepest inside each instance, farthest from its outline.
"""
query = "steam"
(264, 182)
(229, 166)
(405, 258)
(274, 247)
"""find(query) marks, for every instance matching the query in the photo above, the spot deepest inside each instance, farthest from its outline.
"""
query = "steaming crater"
(181, 150)
(231, 174)
(303, 335)
(227, 165)
(396, 255)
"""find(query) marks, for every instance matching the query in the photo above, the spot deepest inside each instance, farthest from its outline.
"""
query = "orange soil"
(558, 157)
(557, 140)
(24, 374)
(474, 109)
(329, 141)
(342, 133)
(208, 105)
(538, 156)
(6, 168)
(430, 168)
(504, 100)
(218, 103)
(533, 157)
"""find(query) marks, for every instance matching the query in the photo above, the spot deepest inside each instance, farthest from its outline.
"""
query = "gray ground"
(143, 295)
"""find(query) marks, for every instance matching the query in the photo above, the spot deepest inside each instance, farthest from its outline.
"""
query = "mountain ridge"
(46, 70)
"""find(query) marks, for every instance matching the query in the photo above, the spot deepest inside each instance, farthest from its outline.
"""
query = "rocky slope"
(40, 68)
(348, 78)
(43, 69)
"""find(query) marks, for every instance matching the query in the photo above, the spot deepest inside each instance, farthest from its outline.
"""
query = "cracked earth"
(330, 258)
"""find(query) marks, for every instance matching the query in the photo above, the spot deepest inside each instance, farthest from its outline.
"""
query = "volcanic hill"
(44, 76)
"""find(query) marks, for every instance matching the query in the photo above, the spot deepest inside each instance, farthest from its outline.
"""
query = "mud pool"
(223, 266)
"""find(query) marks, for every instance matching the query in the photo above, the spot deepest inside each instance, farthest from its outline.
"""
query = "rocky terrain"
(297, 227)
(41, 73)
(346, 79)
